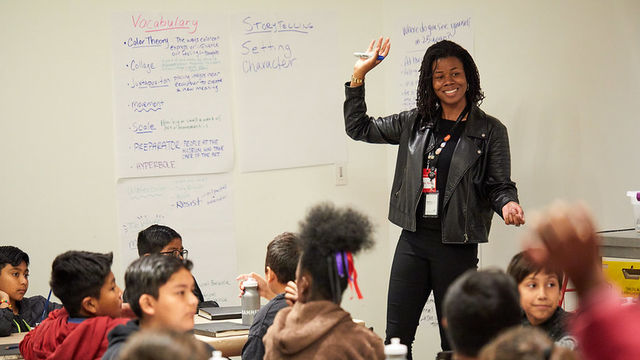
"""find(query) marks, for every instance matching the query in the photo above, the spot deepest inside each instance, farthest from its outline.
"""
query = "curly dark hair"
(427, 102)
(325, 231)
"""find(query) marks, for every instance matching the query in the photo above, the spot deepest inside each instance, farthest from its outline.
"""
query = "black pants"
(421, 264)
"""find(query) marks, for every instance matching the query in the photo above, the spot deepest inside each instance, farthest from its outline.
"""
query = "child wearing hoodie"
(92, 302)
(19, 313)
(316, 327)
(160, 294)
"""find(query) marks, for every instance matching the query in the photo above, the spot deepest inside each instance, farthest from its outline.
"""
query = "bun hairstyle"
(328, 236)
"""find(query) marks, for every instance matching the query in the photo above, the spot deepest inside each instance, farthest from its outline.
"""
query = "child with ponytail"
(316, 327)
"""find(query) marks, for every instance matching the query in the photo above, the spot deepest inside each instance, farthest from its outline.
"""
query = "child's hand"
(291, 293)
(263, 287)
(4, 297)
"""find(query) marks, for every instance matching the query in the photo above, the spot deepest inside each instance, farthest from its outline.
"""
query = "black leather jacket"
(479, 174)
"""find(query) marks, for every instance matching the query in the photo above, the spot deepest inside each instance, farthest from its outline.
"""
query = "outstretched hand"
(363, 66)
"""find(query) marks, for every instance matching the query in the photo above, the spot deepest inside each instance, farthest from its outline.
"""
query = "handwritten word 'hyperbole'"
(253, 26)
(160, 164)
(164, 24)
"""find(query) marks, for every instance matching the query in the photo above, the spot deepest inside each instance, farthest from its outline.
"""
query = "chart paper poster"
(171, 91)
(200, 209)
(410, 39)
(288, 90)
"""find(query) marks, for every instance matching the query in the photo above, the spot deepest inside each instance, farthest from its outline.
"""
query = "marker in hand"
(364, 55)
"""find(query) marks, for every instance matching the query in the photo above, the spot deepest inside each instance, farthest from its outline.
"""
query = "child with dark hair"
(92, 301)
(525, 343)
(164, 345)
(280, 265)
(477, 307)
(17, 312)
(539, 289)
(316, 327)
(160, 239)
(160, 294)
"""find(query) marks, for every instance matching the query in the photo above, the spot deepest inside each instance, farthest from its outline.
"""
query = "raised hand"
(363, 66)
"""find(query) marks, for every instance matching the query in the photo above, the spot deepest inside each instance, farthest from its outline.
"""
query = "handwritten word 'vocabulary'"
(164, 24)
(253, 26)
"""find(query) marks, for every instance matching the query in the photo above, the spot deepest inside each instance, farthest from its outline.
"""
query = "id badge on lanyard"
(430, 192)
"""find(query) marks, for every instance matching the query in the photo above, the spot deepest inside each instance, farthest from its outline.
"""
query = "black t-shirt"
(443, 127)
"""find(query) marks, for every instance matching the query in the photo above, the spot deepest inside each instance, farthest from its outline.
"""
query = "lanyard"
(434, 151)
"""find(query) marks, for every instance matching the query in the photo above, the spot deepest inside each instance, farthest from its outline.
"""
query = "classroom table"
(621, 244)
(11, 339)
(230, 346)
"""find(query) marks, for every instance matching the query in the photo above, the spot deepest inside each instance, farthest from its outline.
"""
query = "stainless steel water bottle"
(250, 301)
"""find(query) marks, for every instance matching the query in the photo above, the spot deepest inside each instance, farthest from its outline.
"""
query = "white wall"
(562, 76)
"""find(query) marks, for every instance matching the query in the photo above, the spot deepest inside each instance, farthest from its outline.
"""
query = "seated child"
(92, 301)
(477, 307)
(160, 294)
(280, 265)
(17, 312)
(520, 343)
(316, 327)
(540, 297)
(164, 345)
(160, 239)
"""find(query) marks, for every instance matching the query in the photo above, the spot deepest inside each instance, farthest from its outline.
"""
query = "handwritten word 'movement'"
(258, 26)
(162, 24)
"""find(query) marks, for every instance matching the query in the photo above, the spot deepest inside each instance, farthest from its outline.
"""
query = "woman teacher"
(452, 171)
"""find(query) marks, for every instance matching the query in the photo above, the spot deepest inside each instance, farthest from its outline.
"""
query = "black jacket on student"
(254, 348)
(30, 312)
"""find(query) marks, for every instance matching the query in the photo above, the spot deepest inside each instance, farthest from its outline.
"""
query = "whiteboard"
(200, 209)
(171, 94)
(410, 38)
(287, 90)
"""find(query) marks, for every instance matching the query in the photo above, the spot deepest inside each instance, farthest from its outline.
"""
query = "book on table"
(221, 312)
(221, 329)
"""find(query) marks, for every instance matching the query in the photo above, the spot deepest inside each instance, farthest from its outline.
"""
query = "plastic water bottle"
(250, 301)
(216, 355)
(395, 350)
(634, 196)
